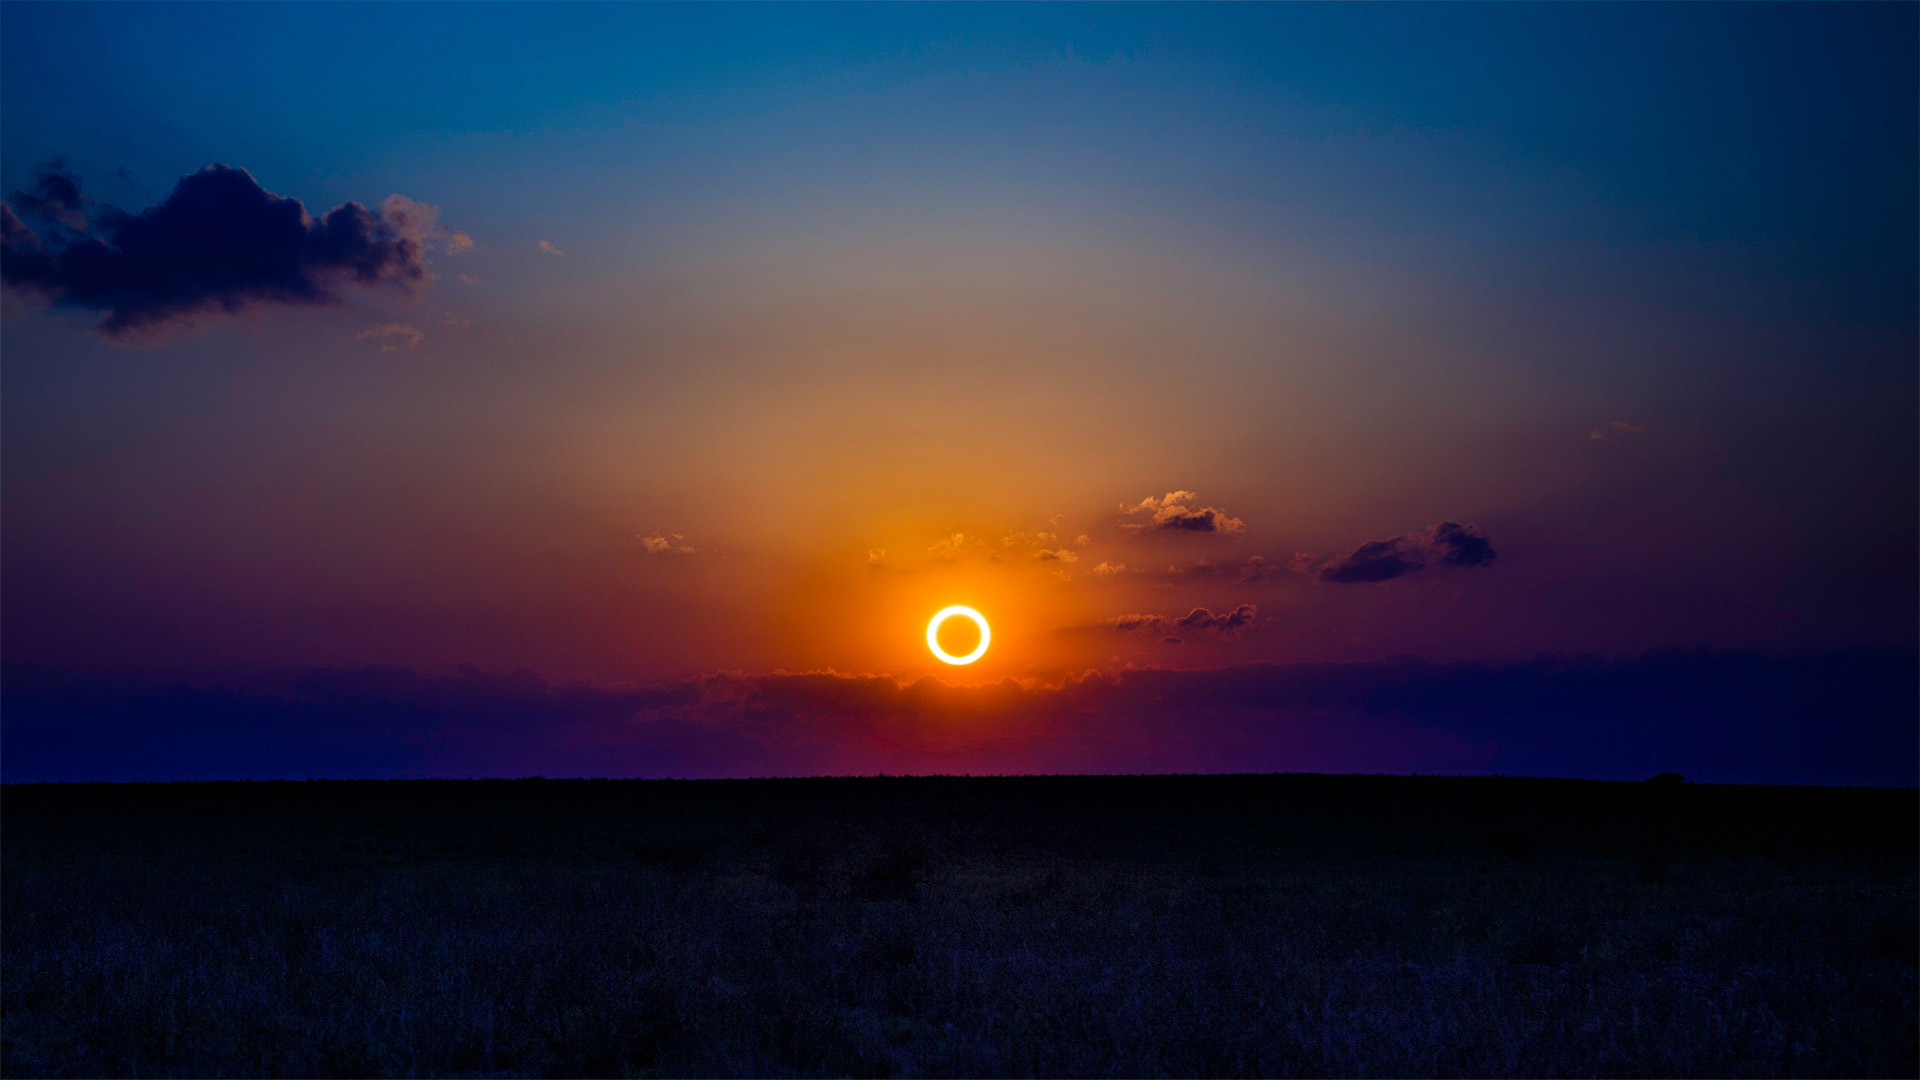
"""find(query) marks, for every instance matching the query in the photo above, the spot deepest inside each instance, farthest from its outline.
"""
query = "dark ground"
(1248, 925)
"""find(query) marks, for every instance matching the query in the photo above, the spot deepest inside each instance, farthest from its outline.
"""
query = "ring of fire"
(933, 634)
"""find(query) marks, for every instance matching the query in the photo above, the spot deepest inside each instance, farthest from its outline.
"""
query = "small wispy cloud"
(667, 544)
(948, 548)
(547, 246)
(393, 336)
(1258, 569)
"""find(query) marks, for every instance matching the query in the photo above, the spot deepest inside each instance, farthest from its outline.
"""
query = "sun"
(933, 634)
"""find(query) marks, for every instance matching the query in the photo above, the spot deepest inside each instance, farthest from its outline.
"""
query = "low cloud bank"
(1844, 717)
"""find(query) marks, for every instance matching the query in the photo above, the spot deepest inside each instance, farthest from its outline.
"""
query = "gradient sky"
(859, 311)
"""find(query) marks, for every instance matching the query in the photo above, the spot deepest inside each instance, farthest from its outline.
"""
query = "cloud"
(1206, 519)
(876, 557)
(1375, 560)
(1258, 570)
(413, 220)
(1107, 569)
(1201, 569)
(1460, 545)
(1842, 717)
(1018, 538)
(1150, 504)
(393, 336)
(1135, 623)
(55, 196)
(1171, 513)
(670, 544)
(458, 243)
(1255, 570)
(1041, 546)
(1448, 544)
(550, 249)
(1226, 624)
(948, 548)
(218, 243)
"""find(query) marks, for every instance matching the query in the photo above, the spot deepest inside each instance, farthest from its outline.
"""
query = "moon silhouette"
(933, 634)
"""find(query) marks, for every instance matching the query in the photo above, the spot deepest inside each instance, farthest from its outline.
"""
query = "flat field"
(1178, 925)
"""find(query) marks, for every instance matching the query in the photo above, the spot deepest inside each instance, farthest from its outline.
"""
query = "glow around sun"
(933, 634)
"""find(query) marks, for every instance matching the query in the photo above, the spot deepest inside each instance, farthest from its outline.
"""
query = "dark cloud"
(1448, 544)
(1460, 545)
(1375, 560)
(1224, 624)
(218, 243)
(1131, 624)
(55, 196)
(1843, 717)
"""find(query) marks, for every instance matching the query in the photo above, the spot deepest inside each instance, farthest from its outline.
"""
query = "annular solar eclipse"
(933, 634)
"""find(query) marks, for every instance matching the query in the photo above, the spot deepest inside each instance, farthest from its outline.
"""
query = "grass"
(1286, 925)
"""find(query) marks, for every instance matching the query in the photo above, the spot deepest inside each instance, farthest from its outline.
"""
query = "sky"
(644, 377)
